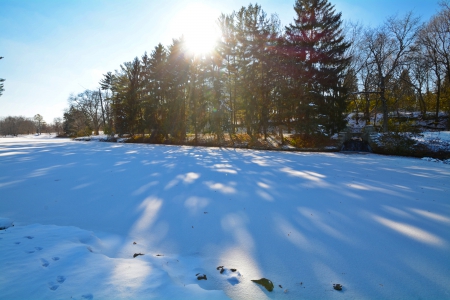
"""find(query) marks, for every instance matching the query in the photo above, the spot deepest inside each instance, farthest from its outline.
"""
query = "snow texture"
(379, 226)
(5, 223)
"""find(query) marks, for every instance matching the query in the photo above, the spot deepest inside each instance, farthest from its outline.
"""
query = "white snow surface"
(377, 225)
(437, 141)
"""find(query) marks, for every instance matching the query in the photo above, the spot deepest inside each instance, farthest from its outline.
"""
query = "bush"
(398, 125)
(394, 143)
(241, 138)
(86, 131)
(310, 141)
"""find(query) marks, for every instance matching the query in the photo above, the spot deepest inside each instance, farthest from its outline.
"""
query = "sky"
(54, 48)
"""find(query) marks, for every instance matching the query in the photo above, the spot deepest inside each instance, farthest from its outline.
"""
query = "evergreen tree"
(318, 47)
(156, 87)
(404, 93)
(128, 94)
(227, 49)
(177, 71)
(107, 85)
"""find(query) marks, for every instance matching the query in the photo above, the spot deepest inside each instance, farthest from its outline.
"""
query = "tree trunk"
(103, 111)
(367, 109)
(438, 96)
(280, 128)
(384, 104)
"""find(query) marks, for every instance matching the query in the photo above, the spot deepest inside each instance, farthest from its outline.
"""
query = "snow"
(377, 225)
(5, 223)
(437, 141)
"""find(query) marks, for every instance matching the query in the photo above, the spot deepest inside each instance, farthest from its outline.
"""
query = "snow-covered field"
(377, 225)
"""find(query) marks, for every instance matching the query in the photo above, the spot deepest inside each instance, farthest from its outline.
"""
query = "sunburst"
(197, 23)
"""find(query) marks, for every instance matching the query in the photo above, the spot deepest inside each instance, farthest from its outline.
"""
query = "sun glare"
(196, 22)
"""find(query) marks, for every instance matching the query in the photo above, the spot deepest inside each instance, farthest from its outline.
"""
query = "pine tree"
(128, 93)
(177, 71)
(156, 86)
(317, 44)
(107, 85)
(227, 49)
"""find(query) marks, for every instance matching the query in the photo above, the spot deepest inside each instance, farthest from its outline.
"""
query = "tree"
(1, 82)
(128, 93)
(89, 104)
(404, 92)
(38, 121)
(227, 48)
(58, 125)
(154, 86)
(318, 47)
(387, 47)
(176, 76)
(419, 67)
(76, 123)
(435, 37)
(107, 85)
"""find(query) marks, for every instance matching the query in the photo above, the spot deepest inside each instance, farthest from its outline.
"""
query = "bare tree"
(88, 103)
(38, 121)
(58, 125)
(419, 67)
(1, 82)
(386, 49)
(435, 37)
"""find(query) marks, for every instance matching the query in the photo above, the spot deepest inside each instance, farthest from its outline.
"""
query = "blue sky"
(57, 47)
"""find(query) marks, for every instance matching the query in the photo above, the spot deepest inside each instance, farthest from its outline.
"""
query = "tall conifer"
(316, 43)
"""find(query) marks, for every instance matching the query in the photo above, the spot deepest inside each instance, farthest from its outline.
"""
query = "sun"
(197, 23)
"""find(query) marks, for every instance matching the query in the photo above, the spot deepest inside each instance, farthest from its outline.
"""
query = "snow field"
(378, 225)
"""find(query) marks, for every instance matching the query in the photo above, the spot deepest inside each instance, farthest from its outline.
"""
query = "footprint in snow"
(38, 248)
(53, 286)
(87, 296)
(232, 275)
(44, 263)
(29, 237)
(29, 251)
(55, 258)
(17, 243)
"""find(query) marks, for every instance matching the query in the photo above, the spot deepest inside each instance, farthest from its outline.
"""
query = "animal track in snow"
(29, 251)
(55, 258)
(53, 286)
(17, 243)
(29, 237)
(44, 263)
(38, 248)
(88, 296)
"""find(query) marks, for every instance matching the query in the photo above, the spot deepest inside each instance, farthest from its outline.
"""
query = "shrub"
(310, 140)
(395, 143)
(398, 125)
(86, 131)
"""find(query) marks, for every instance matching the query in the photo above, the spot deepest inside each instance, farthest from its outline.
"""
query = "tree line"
(260, 77)
(15, 125)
